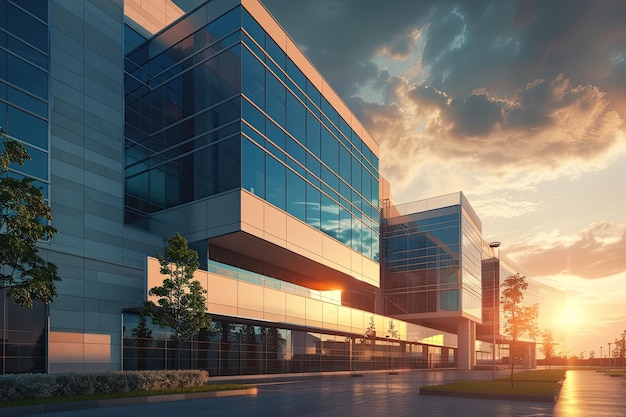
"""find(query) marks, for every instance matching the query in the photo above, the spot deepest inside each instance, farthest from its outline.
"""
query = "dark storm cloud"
(500, 85)
(497, 45)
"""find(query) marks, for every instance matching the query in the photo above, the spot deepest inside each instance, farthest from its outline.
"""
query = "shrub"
(52, 385)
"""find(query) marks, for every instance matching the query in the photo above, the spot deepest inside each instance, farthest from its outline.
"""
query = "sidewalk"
(590, 393)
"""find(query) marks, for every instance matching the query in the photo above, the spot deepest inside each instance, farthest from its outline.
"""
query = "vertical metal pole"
(496, 266)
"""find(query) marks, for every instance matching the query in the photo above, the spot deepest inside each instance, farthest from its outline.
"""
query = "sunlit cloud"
(595, 252)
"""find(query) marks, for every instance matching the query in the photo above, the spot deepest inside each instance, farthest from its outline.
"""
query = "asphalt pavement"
(584, 394)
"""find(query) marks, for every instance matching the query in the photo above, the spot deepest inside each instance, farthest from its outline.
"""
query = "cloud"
(543, 130)
(595, 252)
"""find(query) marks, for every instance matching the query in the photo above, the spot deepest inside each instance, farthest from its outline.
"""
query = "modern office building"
(496, 268)
(149, 118)
(146, 118)
(431, 267)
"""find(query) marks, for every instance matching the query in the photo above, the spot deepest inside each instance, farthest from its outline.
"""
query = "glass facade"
(23, 336)
(243, 347)
(24, 65)
(432, 262)
(24, 49)
(225, 108)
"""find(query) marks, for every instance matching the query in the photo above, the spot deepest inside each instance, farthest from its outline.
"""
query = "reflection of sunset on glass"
(527, 120)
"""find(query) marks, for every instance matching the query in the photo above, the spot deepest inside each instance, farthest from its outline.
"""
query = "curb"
(113, 402)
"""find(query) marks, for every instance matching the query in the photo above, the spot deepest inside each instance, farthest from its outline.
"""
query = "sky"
(519, 104)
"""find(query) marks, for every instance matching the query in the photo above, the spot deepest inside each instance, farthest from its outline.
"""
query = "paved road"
(591, 394)
(584, 394)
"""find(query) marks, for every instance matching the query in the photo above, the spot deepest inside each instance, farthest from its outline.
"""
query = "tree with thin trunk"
(547, 346)
(24, 222)
(519, 319)
(181, 303)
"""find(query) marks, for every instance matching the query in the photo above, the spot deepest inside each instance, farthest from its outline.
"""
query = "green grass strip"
(539, 375)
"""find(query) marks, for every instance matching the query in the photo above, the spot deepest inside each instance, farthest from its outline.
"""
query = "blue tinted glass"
(313, 94)
(274, 51)
(356, 234)
(330, 217)
(275, 182)
(356, 174)
(228, 160)
(252, 78)
(345, 164)
(296, 151)
(225, 24)
(28, 102)
(313, 165)
(27, 28)
(296, 196)
(345, 191)
(37, 7)
(252, 115)
(330, 178)
(330, 150)
(254, 48)
(253, 28)
(253, 134)
(275, 99)
(330, 112)
(296, 118)
(313, 132)
(252, 168)
(27, 52)
(27, 77)
(345, 226)
(296, 75)
(366, 185)
(275, 134)
(27, 127)
(37, 166)
(313, 206)
(132, 39)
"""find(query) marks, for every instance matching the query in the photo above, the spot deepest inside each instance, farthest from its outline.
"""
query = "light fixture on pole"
(600, 358)
(496, 267)
(609, 343)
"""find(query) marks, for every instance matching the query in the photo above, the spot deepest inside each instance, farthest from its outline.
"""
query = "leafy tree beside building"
(181, 301)
(24, 222)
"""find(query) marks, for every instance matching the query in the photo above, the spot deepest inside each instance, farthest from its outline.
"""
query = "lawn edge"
(112, 402)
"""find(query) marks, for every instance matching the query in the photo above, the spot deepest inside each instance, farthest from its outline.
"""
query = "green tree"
(519, 319)
(181, 303)
(24, 222)
(547, 346)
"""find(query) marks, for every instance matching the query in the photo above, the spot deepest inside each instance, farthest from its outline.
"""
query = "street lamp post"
(609, 343)
(387, 361)
(623, 353)
(496, 266)
(600, 358)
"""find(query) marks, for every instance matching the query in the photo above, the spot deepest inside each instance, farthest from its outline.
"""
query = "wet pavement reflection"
(584, 394)
(591, 394)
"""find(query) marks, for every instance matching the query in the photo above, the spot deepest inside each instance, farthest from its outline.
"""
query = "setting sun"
(570, 316)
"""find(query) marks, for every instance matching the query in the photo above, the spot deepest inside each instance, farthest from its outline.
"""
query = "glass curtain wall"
(237, 347)
(24, 65)
(422, 263)
(225, 108)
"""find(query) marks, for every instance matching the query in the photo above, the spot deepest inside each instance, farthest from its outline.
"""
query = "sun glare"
(570, 317)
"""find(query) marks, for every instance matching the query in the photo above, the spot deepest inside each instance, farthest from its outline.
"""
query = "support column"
(466, 351)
